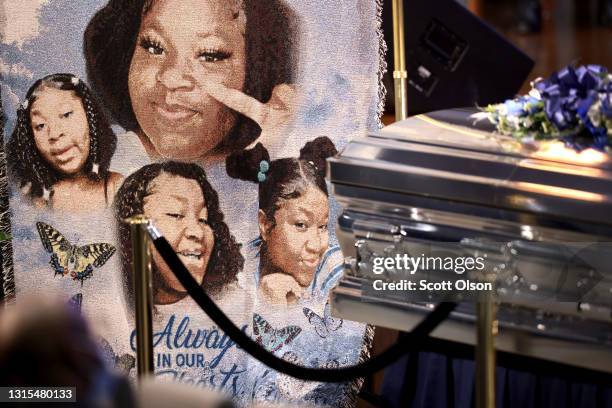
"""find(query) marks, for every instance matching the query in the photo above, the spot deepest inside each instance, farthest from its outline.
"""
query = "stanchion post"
(141, 268)
(486, 330)
(400, 75)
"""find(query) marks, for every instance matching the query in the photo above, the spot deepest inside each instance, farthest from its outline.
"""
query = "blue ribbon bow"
(568, 97)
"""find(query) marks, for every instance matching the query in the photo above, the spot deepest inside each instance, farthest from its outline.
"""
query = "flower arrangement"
(573, 105)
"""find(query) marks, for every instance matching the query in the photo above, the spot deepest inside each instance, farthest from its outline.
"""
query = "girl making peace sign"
(194, 79)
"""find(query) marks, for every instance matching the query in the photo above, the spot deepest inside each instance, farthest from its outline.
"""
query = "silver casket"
(541, 212)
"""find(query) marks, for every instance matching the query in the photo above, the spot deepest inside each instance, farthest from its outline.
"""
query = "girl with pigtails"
(61, 147)
(295, 260)
(297, 269)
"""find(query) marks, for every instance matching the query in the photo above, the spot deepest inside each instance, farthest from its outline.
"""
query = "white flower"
(75, 80)
(535, 81)
(534, 93)
(25, 103)
(514, 121)
(478, 116)
(594, 113)
(528, 139)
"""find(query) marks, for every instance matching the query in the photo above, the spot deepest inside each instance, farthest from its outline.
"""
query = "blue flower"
(530, 104)
(514, 108)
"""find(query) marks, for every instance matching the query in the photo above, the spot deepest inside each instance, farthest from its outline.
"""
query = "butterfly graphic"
(75, 302)
(273, 339)
(67, 258)
(323, 325)
(123, 363)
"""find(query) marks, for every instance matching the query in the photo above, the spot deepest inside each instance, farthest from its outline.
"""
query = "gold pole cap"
(136, 219)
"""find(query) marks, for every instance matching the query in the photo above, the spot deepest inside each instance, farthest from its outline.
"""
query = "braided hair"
(282, 179)
(26, 164)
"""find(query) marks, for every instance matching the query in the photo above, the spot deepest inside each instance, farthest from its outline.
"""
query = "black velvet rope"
(408, 343)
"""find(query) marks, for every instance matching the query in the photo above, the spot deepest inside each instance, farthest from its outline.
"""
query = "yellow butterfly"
(67, 258)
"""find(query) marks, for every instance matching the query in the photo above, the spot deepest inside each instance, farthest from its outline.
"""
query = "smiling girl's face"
(61, 132)
(181, 46)
(300, 237)
(176, 206)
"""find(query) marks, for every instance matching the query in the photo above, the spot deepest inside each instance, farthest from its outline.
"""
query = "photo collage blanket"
(213, 119)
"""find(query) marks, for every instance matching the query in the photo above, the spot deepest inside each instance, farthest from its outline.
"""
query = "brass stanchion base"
(143, 294)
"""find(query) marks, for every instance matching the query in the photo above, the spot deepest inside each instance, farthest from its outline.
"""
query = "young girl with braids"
(293, 245)
(297, 269)
(61, 148)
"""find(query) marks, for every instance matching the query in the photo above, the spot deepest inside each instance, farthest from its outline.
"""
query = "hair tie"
(264, 166)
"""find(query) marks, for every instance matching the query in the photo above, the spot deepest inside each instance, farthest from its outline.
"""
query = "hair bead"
(264, 166)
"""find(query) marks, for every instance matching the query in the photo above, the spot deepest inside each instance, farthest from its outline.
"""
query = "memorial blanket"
(213, 119)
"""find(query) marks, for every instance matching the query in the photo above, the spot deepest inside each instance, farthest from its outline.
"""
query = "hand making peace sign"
(271, 116)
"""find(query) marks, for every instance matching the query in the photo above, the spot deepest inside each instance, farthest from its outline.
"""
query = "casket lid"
(445, 155)
(455, 129)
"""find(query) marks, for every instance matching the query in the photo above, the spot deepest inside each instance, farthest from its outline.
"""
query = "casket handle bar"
(408, 343)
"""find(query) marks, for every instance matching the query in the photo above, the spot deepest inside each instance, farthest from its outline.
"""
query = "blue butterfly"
(273, 339)
(323, 325)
